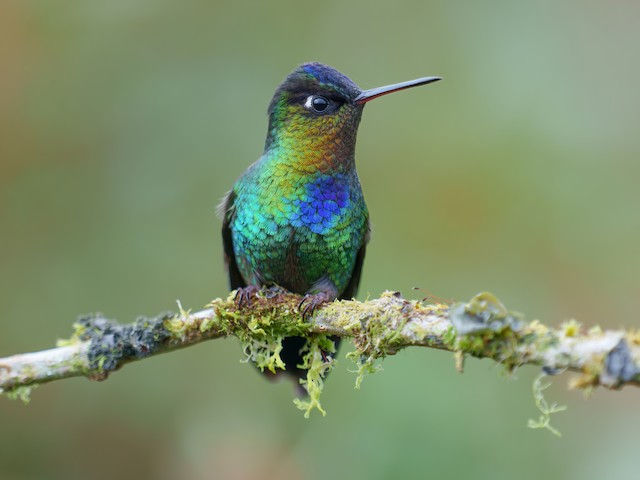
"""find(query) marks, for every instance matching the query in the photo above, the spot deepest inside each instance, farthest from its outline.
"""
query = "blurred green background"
(122, 124)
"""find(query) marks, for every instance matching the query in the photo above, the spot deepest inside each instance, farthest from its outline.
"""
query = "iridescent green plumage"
(297, 217)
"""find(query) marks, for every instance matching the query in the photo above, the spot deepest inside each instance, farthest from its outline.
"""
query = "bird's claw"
(244, 294)
(311, 302)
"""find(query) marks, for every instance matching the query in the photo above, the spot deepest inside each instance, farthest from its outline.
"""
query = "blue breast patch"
(326, 199)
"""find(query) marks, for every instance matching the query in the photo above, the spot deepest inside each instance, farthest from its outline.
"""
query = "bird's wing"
(352, 287)
(226, 210)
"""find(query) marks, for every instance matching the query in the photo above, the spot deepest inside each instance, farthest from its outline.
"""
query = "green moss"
(206, 325)
(366, 365)
(180, 327)
(381, 336)
(317, 366)
(79, 332)
(261, 344)
(485, 328)
(175, 326)
(263, 352)
(261, 328)
(346, 315)
(22, 393)
(449, 338)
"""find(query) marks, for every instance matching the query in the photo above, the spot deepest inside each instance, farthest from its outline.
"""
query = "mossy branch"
(481, 328)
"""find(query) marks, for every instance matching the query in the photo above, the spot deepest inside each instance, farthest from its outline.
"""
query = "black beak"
(368, 95)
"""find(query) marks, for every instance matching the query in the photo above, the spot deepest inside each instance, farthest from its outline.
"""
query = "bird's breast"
(294, 232)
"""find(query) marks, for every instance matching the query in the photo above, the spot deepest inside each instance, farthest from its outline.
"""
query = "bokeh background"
(122, 124)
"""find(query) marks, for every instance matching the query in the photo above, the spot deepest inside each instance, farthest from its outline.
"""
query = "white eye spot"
(307, 102)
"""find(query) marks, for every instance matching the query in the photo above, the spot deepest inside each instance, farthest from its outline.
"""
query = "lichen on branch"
(481, 328)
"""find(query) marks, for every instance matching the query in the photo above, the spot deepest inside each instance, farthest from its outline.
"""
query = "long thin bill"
(368, 95)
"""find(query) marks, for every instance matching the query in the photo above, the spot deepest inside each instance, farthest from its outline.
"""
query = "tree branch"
(481, 328)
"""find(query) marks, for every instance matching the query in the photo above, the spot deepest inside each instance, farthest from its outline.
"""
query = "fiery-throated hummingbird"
(296, 217)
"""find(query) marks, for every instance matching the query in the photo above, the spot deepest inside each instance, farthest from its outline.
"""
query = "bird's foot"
(244, 294)
(310, 303)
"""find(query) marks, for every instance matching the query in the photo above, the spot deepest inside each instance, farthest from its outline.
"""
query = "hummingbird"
(296, 218)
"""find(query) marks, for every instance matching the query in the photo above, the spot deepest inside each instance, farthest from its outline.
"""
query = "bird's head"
(316, 106)
(314, 100)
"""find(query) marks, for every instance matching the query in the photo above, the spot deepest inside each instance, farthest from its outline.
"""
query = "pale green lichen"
(590, 375)
(596, 331)
(484, 313)
(206, 324)
(181, 326)
(346, 314)
(633, 336)
(22, 392)
(571, 328)
(485, 328)
(366, 366)
(546, 410)
(175, 326)
(261, 338)
(459, 357)
(381, 336)
(449, 337)
(256, 325)
(264, 353)
(318, 366)
(261, 332)
(79, 331)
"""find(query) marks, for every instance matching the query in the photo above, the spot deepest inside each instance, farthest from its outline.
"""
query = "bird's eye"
(317, 103)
